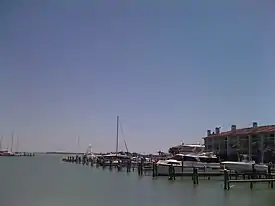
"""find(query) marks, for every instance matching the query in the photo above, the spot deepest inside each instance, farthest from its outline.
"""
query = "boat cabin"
(116, 157)
(196, 158)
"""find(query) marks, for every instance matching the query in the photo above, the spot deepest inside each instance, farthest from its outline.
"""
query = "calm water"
(46, 181)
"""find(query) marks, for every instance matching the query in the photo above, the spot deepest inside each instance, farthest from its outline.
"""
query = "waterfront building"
(258, 142)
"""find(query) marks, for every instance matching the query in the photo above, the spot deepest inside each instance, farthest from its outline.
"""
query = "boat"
(116, 158)
(187, 148)
(245, 165)
(89, 153)
(6, 153)
(184, 163)
(242, 167)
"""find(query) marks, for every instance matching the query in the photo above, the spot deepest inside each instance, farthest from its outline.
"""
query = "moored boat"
(184, 163)
(244, 166)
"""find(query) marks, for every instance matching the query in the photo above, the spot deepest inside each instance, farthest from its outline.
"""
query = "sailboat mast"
(78, 139)
(117, 127)
(12, 141)
(126, 146)
(1, 141)
(17, 144)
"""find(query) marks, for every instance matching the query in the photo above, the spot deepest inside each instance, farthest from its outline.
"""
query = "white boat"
(188, 148)
(184, 163)
(244, 166)
(6, 153)
(89, 153)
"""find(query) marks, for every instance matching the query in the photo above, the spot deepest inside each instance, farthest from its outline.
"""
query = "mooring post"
(128, 165)
(139, 168)
(254, 171)
(171, 172)
(251, 184)
(195, 176)
(226, 184)
(103, 164)
(154, 170)
(182, 169)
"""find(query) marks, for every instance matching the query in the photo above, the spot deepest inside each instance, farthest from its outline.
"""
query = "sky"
(169, 69)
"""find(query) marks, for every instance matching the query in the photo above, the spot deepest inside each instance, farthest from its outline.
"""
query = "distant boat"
(5, 152)
(89, 153)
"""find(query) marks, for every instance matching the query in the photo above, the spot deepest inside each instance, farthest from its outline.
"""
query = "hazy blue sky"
(170, 70)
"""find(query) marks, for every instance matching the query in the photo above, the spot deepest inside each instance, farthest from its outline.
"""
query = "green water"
(46, 181)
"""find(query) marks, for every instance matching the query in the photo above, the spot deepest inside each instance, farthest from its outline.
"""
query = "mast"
(17, 143)
(117, 127)
(126, 146)
(78, 139)
(1, 141)
(12, 141)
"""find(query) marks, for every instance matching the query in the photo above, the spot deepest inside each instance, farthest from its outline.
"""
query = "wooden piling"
(154, 170)
(195, 176)
(226, 184)
(139, 169)
(128, 166)
(172, 175)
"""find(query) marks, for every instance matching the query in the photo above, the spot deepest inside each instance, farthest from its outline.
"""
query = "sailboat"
(116, 157)
(6, 152)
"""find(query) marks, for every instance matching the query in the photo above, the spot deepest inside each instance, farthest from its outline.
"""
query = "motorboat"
(245, 166)
(6, 153)
(184, 163)
(115, 159)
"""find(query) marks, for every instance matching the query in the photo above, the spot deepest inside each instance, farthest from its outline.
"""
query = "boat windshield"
(184, 158)
(173, 163)
(209, 159)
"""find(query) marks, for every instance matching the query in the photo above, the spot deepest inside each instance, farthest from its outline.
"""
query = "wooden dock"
(200, 174)
(251, 179)
(151, 169)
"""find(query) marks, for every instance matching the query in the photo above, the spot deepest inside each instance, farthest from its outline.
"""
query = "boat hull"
(163, 169)
(244, 167)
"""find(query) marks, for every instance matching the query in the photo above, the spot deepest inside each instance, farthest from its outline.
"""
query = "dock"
(252, 179)
(144, 169)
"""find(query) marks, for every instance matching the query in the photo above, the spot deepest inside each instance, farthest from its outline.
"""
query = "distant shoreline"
(63, 153)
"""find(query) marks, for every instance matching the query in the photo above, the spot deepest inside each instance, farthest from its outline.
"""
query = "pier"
(254, 177)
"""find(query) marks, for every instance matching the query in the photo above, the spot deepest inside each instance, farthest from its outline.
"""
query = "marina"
(196, 173)
(137, 103)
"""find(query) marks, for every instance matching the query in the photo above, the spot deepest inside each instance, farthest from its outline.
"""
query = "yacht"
(115, 159)
(244, 166)
(188, 148)
(6, 153)
(184, 163)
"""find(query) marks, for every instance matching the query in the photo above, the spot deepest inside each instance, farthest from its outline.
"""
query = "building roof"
(246, 131)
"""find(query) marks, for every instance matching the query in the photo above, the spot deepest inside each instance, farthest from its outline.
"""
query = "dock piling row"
(249, 177)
